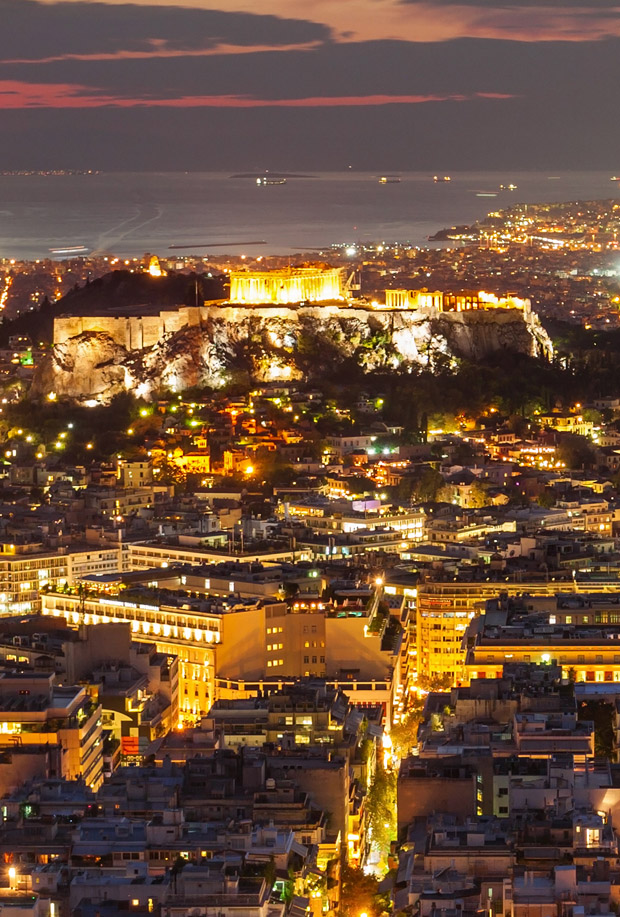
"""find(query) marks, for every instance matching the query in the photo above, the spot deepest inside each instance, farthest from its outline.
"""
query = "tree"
(290, 590)
(404, 733)
(546, 498)
(273, 469)
(602, 715)
(575, 451)
(381, 809)
(463, 454)
(592, 415)
(428, 485)
(517, 424)
(435, 682)
(360, 894)
(477, 496)
(167, 472)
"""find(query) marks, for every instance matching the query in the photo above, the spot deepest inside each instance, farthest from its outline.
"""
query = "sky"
(310, 84)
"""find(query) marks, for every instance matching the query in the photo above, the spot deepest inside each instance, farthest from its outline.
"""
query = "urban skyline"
(309, 479)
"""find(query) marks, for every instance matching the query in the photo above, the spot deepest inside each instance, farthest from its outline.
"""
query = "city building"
(35, 710)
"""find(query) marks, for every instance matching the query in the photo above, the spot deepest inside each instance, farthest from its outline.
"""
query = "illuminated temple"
(443, 301)
(312, 283)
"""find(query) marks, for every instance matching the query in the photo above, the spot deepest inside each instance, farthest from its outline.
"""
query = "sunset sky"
(319, 84)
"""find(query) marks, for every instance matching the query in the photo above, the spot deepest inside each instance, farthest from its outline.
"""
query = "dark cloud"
(469, 66)
(33, 30)
(518, 134)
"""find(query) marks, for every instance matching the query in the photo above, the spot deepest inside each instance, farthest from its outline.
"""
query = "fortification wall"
(67, 327)
(134, 332)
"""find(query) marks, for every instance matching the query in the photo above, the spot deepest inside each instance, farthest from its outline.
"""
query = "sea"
(128, 214)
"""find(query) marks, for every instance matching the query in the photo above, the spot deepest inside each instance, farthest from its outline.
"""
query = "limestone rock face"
(90, 366)
(275, 343)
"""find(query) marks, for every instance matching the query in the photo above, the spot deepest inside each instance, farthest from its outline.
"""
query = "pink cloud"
(162, 52)
(429, 21)
(15, 94)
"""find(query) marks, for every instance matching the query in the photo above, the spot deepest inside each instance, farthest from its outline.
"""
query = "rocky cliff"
(276, 343)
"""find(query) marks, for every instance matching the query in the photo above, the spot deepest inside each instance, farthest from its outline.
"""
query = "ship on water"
(441, 178)
(71, 250)
(263, 180)
(389, 180)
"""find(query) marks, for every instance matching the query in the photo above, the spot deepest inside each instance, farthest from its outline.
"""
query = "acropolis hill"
(271, 322)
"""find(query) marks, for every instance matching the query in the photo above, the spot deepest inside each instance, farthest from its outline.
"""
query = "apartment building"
(346, 517)
(197, 550)
(584, 652)
(35, 710)
(444, 611)
(26, 568)
(189, 630)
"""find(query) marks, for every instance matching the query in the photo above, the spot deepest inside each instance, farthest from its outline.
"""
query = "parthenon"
(314, 283)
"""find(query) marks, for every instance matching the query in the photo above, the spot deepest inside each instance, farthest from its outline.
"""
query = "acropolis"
(276, 294)
(144, 347)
